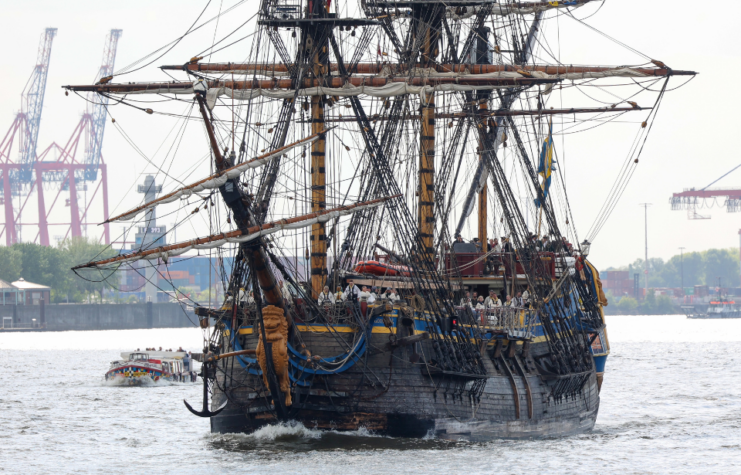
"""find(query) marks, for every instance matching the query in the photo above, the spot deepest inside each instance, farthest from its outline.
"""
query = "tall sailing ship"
(352, 148)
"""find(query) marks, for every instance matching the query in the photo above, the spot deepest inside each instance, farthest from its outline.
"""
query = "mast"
(430, 36)
(483, 56)
(320, 56)
(236, 200)
(507, 100)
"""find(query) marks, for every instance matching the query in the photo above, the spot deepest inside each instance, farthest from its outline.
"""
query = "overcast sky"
(694, 140)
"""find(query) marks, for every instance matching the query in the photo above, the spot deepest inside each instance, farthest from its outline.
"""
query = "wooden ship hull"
(393, 389)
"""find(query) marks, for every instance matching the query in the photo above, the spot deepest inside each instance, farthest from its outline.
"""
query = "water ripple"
(671, 402)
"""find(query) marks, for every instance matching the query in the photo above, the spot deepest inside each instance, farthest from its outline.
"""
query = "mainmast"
(483, 56)
(429, 26)
(317, 44)
(508, 99)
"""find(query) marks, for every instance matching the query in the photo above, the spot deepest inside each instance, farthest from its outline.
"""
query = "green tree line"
(51, 266)
(651, 305)
(700, 268)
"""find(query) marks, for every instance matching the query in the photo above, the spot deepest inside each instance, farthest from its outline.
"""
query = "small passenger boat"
(142, 368)
(717, 309)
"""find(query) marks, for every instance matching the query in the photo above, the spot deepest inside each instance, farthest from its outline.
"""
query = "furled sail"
(354, 86)
(213, 181)
(384, 83)
(237, 236)
(442, 70)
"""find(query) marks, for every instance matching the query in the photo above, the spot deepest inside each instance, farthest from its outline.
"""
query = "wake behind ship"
(364, 136)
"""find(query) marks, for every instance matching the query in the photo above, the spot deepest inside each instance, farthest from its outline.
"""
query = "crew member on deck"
(394, 296)
(338, 296)
(229, 301)
(494, 245)
(248, 298)
(367, 296)
(507, 245)
(492, 301)
(326, 297)
(352, 292)
(466, 300)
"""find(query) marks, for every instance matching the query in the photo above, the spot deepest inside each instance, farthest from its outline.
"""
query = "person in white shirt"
(247, 298)
(526, 296)
(352, 292)
(373, 293)
(388, 295)
(494, 245)
(492, 301)
(480, 303)
(338, 296)
(326, 297)
(518, 302)
(229, 300)
(367, 296)
(466, 300)
(394, 296)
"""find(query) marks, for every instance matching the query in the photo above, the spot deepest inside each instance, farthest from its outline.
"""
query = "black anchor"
(205, 412)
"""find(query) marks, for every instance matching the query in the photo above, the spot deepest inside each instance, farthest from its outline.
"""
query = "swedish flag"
(546, 164)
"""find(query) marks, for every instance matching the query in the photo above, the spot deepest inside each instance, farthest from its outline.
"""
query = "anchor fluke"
(205, 412)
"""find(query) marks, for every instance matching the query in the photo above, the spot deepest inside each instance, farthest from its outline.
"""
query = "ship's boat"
(145, 368)
(381, 269)
(351, 149)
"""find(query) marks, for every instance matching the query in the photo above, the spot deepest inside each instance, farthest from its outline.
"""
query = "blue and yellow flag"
(546, 164)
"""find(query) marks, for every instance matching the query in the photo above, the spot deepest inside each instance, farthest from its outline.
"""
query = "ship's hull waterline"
(397, 398)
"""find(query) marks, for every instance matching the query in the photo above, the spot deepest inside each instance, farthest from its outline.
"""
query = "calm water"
(671, 402)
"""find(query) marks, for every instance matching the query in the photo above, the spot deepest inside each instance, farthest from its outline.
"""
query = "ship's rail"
(492, 264)
(514, 322)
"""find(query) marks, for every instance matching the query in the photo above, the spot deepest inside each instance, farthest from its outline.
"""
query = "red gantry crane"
(73, 175)
(707, 197)
(17, 178)
(58, 168)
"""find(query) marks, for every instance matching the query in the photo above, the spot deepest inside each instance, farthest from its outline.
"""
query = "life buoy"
(379, 268)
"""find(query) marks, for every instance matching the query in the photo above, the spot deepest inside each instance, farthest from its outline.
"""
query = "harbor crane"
(692, 199)
(57, 167)
(25, 129)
